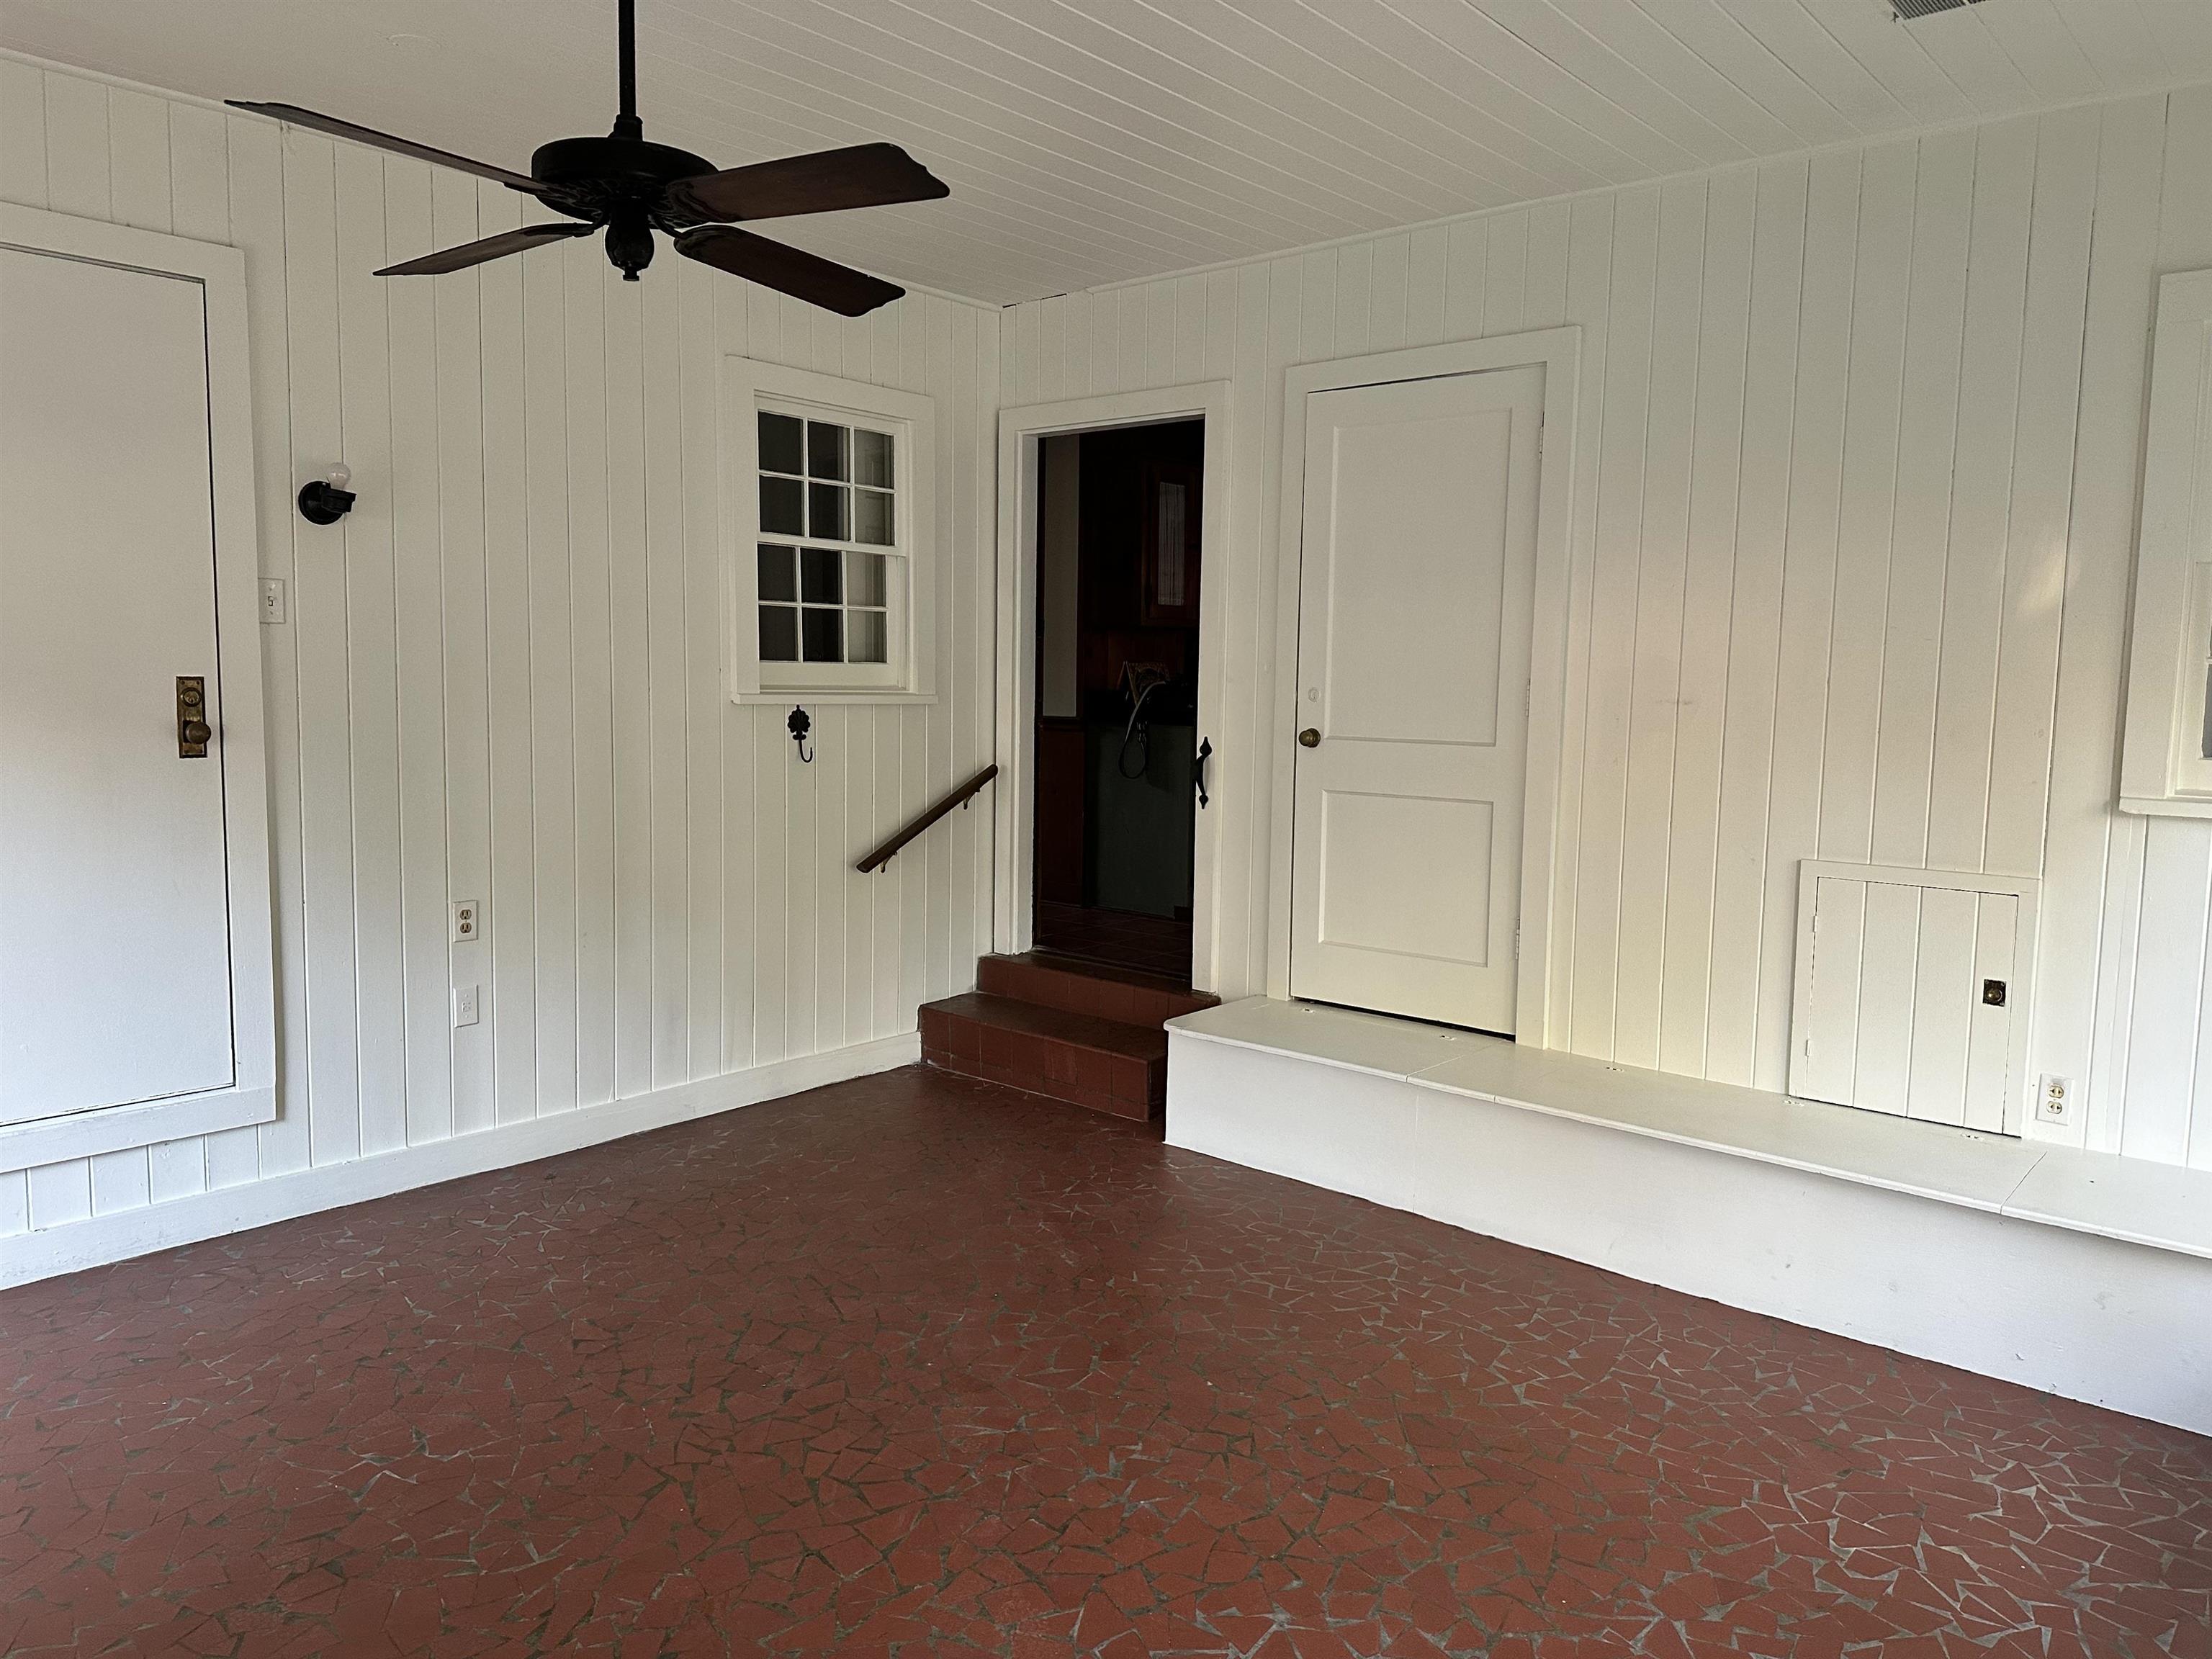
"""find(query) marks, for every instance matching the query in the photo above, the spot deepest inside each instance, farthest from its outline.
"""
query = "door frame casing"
(252, 1097)
(1559, 351)
(1021, 431)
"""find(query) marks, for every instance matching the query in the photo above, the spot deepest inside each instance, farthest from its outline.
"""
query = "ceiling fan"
(631, 188)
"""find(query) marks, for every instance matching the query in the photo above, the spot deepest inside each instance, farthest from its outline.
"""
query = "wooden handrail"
(959, 797)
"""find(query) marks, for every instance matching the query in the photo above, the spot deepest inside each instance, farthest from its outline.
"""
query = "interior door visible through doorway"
(1118, 578)
(1417, 580)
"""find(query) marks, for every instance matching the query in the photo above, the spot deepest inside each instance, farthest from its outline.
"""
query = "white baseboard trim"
(77, 1245)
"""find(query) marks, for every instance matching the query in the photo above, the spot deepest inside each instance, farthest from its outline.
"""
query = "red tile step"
(1107, 1065)
(1083, 988)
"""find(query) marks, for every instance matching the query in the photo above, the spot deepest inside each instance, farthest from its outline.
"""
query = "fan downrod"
(620, 180)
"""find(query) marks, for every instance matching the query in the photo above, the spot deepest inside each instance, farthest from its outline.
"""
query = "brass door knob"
(1310, 738)
(194, 731)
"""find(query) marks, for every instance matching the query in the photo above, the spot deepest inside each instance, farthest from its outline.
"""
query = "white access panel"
(1911, 992)
(136, 997)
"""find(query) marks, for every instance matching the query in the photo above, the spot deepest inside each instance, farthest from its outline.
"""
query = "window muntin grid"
(829, 569)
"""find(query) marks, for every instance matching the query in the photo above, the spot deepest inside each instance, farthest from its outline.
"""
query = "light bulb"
(339, 476)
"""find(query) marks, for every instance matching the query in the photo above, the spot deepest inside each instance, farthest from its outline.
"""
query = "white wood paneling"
(499, 680)
(1854, 497)
(1097, 141)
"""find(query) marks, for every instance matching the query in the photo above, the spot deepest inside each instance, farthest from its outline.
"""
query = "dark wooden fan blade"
(370, 136)
(818, 282)
(867, 175)
(492, 247)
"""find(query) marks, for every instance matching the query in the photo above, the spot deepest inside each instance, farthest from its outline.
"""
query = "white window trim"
(2192, 768)
(912, 418)
(2161, 770)
(251, 1098)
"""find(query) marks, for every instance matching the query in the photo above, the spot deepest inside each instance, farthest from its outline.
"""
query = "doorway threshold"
(1114, 939)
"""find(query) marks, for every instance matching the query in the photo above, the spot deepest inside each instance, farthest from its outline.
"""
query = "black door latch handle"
(1205, 751)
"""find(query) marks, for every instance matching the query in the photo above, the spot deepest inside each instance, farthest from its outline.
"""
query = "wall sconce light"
(326, 500)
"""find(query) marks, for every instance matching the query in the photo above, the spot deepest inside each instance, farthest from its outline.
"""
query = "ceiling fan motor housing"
(597, 178)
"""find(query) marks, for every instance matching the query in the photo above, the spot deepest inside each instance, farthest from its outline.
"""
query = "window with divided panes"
(832, 573)
(2194, 726)
(2166, 749)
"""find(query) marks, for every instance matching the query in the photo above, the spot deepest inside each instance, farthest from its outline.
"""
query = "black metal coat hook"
(799, 726)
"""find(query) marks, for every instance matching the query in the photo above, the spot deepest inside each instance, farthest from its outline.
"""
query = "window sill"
(2168, 806)
(805, 698)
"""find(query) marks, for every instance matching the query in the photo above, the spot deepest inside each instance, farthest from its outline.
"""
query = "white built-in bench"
(2083, 1274)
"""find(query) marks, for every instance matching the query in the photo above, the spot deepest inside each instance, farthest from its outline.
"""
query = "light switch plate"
(273, 611)
(464, 1005)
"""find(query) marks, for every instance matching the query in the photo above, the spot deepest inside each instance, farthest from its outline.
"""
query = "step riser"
(1006, 1077)
(1120, 1084)
(1091, 1038)
(1075, 992)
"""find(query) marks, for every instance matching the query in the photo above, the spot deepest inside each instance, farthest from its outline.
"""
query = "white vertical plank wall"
(502, 677)
(1855, 484)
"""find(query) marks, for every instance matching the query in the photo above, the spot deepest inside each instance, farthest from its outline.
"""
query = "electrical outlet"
(464, 1005)
(2055, 1103)
(468, 920)
(272, 601)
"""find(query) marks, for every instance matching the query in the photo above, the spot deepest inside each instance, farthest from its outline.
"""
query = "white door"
(1416, 580)
(115, 981)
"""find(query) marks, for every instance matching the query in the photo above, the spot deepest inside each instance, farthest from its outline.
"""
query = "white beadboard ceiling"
(1092, 143)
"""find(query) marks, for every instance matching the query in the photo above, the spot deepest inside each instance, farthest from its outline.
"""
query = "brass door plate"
(194, 731)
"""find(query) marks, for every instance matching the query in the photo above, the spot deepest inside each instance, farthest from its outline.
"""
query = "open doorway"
(1116, 775)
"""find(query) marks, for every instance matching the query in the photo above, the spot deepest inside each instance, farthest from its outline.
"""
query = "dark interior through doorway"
(1117, 693)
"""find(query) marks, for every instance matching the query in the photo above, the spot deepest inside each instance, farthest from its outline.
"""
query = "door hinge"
(1516, 941)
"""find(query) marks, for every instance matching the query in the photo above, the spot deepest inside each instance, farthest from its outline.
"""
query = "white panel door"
(1418, 568)
(115, 982)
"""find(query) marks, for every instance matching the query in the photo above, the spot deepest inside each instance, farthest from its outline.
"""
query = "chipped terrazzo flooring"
(916, 1365)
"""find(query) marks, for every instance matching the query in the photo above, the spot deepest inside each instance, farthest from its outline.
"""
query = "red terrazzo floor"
(915, 1366)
